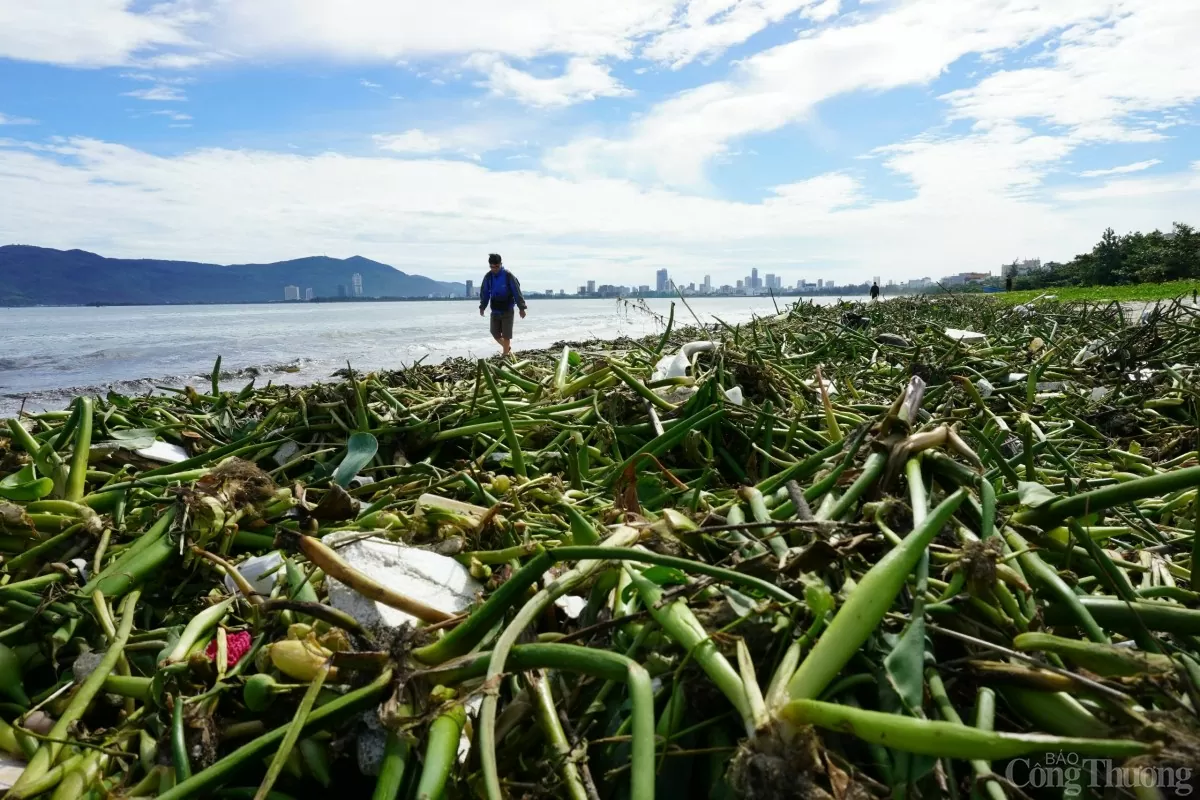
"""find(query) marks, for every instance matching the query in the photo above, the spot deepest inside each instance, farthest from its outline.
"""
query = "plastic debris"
(435, 580)
(966, 337)
(261, 571)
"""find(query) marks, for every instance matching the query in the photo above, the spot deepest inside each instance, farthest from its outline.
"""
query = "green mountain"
(42, 276)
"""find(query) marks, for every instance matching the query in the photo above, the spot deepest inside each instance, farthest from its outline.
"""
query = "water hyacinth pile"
(844, 552)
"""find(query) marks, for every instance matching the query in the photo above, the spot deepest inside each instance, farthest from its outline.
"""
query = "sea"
(50, 355)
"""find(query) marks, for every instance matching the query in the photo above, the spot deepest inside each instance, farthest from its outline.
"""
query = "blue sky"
(811, 138)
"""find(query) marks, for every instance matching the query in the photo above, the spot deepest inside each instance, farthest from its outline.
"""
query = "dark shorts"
(502, 325)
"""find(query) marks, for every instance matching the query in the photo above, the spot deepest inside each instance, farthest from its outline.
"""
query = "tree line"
(1136, 257)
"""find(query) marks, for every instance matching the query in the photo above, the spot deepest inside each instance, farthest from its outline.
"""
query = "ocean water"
(49, 355)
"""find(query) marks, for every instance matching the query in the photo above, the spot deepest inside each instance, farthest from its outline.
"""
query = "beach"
(53, 354)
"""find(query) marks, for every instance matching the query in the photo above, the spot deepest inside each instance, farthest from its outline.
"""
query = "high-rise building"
(662, 281)
(308, 293)
(470, 288)
(820, 283)
(356, 281)
(770, 280)
(754, 284)
(291, 293)
(591, 288)
(740, 285)
(341, 290)
(643, 289)
(707, 284)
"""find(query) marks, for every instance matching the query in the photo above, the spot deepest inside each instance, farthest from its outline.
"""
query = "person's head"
(494, 262)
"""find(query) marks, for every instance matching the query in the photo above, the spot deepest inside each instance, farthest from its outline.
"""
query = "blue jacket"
(503, 290)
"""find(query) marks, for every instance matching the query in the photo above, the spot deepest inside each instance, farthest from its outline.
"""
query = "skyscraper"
(754, 284)
(708, 284)
(662, 282)
(770, 280)
(356, 280)
(291, 293)
(591, 287)
(308, 293)
(470, 288)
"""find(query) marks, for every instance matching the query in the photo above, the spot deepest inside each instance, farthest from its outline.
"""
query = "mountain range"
(42, 276)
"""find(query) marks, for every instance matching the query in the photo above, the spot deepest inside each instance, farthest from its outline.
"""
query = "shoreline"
(279, 374)
(56, 400)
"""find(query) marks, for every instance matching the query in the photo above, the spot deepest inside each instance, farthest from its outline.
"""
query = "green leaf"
(25, 486)
(131, 439)
(359, 451)
(818, 598)
(663, 576)
(742, 605)
(905, 666)
(1034, 495)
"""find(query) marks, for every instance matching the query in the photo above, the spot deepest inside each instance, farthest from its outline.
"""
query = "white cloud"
(910, 43)
(374, 30)
(1134, 60)
(176, 116)
(581, 80)
(431, 215)
(91, 33)
(7, 120)
(411, 142)
(824, 193)
(707, 28)
(158, 93)
(824, 11)
(1122, 170)
(370, 84)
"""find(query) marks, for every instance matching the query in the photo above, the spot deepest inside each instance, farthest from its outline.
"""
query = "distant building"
(562, 292)
(754, 284)
(549, 293)
(291, 293)
(591, 287)
(643, 289)
(341, 290)
(740, 285)
(662, 281)
(470, 288)
(820, 283)
(308, 293)
(707, 284)
(356, 281)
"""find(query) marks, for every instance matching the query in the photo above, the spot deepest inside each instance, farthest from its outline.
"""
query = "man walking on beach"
(875, 291)
(502, 289)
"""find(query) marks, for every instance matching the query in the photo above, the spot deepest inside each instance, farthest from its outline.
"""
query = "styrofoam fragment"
(734, 395)
(10, 770)
(255, 571)
(165, 452)
(967, 337)
(572, 605)
(435, 580)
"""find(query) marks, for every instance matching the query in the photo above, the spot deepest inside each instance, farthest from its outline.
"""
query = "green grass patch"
(1102, 294)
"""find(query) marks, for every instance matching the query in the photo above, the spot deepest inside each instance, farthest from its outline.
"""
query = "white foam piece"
(255, 571)
(435, 580)
(967, 337)
(166, 452)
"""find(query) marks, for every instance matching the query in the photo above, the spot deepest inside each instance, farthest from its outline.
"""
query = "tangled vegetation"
(844, 552)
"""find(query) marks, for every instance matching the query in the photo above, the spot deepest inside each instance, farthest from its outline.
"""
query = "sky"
(834, 139)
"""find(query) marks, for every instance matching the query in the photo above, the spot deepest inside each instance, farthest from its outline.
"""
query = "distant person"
(502, 289)
(875, 290)
(1008, 284)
